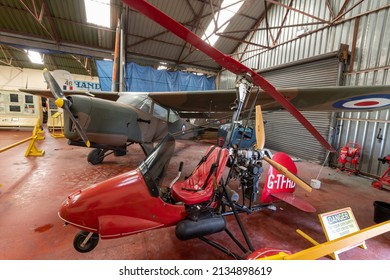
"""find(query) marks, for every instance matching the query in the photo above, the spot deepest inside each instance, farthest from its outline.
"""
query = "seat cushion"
(194, 190)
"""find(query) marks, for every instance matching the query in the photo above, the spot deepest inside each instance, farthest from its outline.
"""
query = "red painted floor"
(32, 189)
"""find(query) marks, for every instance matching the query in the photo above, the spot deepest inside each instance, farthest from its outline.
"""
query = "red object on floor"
(384, 180)
(349, 158)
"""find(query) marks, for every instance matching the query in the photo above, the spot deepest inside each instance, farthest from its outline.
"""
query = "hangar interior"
(290, 43)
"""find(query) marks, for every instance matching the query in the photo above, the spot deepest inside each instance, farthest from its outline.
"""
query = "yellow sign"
(339, 223)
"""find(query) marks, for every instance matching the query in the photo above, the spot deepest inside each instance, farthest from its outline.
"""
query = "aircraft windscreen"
(153, 168)
(140, 101)
(144, 103)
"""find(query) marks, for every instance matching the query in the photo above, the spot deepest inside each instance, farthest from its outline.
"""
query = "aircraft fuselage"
(132, 118)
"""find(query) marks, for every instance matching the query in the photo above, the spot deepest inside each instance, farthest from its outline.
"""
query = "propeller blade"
(64, 103)
(259, 123)
(225, 61)
(260, 140)
(79, 129)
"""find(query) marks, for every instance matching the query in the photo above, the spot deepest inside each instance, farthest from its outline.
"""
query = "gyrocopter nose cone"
(63, 212)
(68, 210)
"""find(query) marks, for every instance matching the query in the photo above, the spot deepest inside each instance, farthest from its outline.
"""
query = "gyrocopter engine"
(247, 168)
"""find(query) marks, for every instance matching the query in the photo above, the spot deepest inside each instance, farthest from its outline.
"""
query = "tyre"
(96, 156)
(89, 246)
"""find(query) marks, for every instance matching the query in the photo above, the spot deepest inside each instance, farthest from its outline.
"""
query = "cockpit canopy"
(141, 101)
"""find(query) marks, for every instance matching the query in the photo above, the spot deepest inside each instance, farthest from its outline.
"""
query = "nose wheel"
(85, 241)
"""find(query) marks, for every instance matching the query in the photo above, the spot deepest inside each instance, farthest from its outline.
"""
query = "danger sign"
(339, 223)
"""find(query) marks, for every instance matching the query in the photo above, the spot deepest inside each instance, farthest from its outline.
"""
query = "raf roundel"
(372, 101)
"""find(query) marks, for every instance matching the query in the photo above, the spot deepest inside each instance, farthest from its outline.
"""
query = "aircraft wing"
(198, 104)
(342, 98)
(99, 94)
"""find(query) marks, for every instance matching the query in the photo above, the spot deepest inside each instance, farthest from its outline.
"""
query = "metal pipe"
(122, 57)
(383, 142)
(372, 142)
(364, 136)
(16, 144)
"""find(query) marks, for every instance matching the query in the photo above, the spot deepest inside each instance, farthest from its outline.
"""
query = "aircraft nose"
(77, 210)
(66, 211)
(70, 209)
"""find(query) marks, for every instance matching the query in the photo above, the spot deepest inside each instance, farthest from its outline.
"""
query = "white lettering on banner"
(87, 85)
(281, 182)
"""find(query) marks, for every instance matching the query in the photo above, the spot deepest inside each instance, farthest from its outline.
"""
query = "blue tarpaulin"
(147, 79)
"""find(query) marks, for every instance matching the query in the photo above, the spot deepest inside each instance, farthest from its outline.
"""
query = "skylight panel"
(98, 12)
(35, 57)
(222, 17)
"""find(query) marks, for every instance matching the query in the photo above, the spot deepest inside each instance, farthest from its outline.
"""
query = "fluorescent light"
(35, 57)
(223, 16)
(98, 12)
(162, 66)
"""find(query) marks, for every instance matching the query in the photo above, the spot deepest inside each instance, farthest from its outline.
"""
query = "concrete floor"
(32, 189)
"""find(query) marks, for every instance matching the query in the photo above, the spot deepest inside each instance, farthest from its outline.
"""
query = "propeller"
(64, 103)
(260, 141)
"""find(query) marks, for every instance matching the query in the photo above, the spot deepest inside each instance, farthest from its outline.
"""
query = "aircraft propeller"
(64, 103)
(260, 141)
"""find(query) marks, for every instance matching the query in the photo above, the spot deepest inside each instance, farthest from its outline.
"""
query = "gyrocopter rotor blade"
(224, 60)
(260, 140)
(64, 103)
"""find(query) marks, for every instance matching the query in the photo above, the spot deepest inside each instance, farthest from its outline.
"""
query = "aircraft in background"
(111, 121)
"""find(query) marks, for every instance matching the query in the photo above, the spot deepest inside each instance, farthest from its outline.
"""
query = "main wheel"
(96, 156)
(89, 246)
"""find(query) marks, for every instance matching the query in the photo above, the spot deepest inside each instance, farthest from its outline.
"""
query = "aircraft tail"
(64, 79)
(278, 187)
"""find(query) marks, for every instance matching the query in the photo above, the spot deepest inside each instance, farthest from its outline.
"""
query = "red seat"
(194, 189)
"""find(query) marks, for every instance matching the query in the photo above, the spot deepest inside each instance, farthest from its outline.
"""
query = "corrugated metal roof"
(59, 29)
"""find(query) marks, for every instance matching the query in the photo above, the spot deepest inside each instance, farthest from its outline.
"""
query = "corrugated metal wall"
(321, 71)
(285, 133)
(365, 29)
(370, 65)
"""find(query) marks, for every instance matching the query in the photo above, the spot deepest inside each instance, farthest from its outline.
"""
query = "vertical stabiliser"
(223, 60)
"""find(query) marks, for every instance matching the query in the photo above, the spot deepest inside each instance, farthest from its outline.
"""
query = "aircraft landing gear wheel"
(96, 156)
(91, 239)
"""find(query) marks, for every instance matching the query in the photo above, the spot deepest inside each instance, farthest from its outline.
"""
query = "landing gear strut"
(97, 155)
